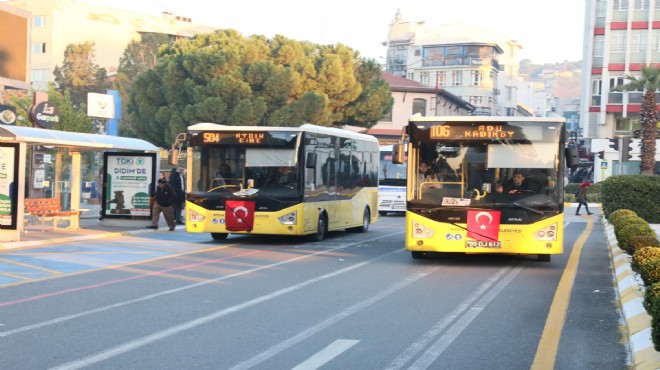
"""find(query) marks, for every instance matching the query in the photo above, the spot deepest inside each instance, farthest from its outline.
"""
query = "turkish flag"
(239, 215)
(483, 225)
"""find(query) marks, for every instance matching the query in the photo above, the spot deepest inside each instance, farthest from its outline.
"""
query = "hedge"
(638, 193)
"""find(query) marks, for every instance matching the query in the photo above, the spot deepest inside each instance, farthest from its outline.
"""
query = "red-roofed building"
(411, 97)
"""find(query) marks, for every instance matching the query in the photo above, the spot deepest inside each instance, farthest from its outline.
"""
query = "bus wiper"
(528, 208)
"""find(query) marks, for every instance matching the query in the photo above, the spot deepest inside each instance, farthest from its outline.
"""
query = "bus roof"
(419, 118)
(206, 126)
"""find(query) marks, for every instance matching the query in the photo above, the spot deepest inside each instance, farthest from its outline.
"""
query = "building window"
(419, 106)
(424, 78)
(441, 78)
(387, 117)
(39, 21)
(475, 77)
(656, 38)
(38, 48)
(618, 42)
(509, 93)
(620, 5)
(641, 4)
(457, 78)
(638, 41)
(596, 87)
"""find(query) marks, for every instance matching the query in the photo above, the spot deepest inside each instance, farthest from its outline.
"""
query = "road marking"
(263, 356)
(546, 352)
(29, 266)
(505, 273)
(173, 330)
(327, 354)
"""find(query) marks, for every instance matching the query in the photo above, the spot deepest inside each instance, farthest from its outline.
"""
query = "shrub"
(655, 325)
(624, 220)
(637, 193)
(650, 272)
(625, 233)
(618, 213)
(638, 242)
(643, 256)
(652, 297)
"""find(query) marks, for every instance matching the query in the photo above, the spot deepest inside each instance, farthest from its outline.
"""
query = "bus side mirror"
(311, 160)
(398, 154)
(572, 159)
(173, 159)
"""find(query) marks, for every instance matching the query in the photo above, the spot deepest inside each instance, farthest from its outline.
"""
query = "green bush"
(650, 272)
(638, 242)
(624, 220)
(626, 232)
(618, 213)
(638, 193)
(651, 297)
(643, 256)
(593, 193)
(655, 323)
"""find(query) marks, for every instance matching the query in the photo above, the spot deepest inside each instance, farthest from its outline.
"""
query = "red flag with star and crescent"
(483, 225)
(239, 215)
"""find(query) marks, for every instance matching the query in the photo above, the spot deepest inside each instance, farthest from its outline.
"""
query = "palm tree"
(649, 82)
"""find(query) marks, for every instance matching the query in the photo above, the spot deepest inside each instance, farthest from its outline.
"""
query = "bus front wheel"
(418, 255)
(321, 229)
(219, 236)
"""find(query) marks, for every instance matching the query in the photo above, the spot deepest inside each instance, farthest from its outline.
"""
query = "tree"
(138, 57)
(649, 82)
(80, 74)
(226, 78)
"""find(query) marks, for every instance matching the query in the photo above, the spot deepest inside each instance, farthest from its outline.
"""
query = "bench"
(48, 209)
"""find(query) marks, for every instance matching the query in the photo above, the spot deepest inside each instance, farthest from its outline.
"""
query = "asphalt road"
(354, 301)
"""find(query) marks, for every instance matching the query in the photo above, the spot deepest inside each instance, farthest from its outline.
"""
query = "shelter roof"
(72, 140)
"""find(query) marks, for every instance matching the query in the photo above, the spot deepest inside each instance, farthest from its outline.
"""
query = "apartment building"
(621, 37)
(479, 66)
(58, 23)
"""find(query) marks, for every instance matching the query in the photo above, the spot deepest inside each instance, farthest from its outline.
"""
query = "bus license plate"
(482, 244)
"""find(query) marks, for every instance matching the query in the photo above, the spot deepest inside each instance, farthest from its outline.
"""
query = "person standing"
(582, 198)
(164, 197)
(178, 182)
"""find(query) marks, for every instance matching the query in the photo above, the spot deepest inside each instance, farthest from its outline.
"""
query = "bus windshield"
(490, 173)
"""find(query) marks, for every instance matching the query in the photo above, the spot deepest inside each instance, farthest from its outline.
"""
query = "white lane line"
(331, 320)
(427, 358)
(173, 330)
(327, 354)
(418, 346)
(172, 291)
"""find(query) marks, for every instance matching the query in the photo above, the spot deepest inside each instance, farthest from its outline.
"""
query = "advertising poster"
(8, 193)
(128, 178)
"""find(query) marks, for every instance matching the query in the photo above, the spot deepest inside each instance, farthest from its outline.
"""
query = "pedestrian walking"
(582, 198)
(164, 197)
(178, 182)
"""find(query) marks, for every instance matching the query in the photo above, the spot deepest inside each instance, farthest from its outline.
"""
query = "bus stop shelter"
(25, 150)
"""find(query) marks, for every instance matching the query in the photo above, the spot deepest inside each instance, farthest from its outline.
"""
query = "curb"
(37, 243)
(631, 296)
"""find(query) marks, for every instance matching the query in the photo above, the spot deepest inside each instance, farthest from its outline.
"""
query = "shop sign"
(45, 115)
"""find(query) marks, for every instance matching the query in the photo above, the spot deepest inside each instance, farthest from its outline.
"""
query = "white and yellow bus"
(305, 180)
(459, 206)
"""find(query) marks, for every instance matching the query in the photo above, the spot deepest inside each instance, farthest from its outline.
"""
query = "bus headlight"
(421, 231)
(289, 218)
(194, 216)
(547, 233)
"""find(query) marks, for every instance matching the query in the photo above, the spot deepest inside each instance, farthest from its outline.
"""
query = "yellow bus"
(485, 185)
(305, 180)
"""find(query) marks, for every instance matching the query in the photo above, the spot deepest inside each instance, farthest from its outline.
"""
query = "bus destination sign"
(233, 137)
(474, 132)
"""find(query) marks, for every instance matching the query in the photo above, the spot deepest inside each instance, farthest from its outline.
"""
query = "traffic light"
(614, 144)
(626, 148)
(601, 154)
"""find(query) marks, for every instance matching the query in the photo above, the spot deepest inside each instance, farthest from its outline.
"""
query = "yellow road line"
(546, 352)
(33, 267)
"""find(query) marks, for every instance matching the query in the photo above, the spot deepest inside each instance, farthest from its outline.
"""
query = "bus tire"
(418, 255)
(366, 220)
(219, 236)
(321, 229)
(544, 257)
(382, 213)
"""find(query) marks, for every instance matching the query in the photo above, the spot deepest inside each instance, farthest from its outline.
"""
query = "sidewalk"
(90, 228)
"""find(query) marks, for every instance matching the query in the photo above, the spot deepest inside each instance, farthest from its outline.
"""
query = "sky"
(549, 31)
